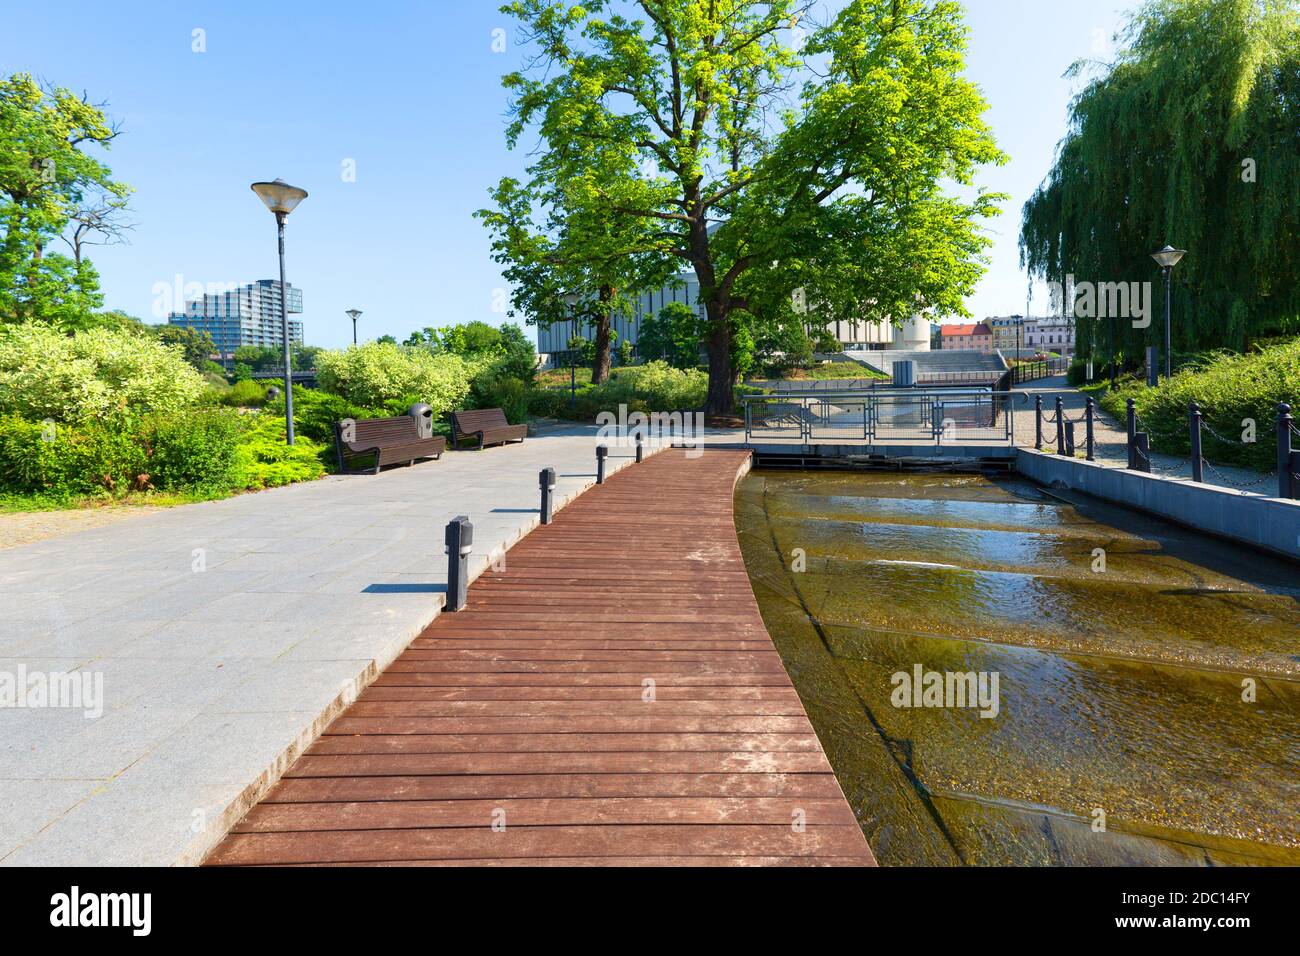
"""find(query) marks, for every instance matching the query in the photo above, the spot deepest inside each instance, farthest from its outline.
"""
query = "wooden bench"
(488, 425)
(390, 440)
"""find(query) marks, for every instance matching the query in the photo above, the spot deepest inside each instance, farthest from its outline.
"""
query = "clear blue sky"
(409, 91)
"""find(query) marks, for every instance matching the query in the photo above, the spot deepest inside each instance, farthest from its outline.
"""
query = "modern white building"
(243, 315)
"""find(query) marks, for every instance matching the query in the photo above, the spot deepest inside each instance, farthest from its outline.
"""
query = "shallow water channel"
(1148, 679)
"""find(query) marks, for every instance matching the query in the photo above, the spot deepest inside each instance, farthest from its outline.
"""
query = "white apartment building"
(245, 315)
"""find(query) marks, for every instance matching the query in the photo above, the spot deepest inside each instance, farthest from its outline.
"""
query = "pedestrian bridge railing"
(882, 417)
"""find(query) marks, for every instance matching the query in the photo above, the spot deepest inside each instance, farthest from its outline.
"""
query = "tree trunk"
(722, 396)
(600, 367)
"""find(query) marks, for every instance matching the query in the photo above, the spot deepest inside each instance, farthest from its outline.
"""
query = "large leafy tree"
(761, 164)
(47, 177)
(1189, 138)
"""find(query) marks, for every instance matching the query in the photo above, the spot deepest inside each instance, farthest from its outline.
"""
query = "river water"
(1148, 679)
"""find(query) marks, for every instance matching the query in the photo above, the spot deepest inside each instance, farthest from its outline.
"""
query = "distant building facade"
(913, 335)
(1052, 334)
(977, 337)
(246, 315)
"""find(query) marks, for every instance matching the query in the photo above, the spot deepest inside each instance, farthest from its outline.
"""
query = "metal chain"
(1227, 441)
(1237, 484)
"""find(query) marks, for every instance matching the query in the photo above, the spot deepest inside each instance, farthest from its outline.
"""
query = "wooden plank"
(571, 811)
(525, 786)
(533, 842)
(610, 695)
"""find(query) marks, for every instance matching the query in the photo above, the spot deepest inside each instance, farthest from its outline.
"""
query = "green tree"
(195, 344)
(678, 114)
(1187, 138)
(568, 256)
(672, 335)
(46, 175)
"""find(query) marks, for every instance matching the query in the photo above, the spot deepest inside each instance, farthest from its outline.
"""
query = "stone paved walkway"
(225, 635)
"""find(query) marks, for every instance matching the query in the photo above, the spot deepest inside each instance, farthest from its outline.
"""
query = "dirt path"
(26, 527)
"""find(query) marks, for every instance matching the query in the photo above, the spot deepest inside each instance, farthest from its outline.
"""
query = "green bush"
(66, 461)
(263, 460)
(245, 394)
(653, 387)
(496, 390)
(195, 451)
(102, 371)
(1231, 389)
(190, 451)
(377, 373)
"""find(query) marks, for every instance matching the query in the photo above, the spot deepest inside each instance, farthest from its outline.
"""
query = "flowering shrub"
(379, 373)
(103, 371)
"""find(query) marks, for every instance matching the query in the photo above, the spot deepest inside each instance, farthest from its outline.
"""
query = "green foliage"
(195, 344)
(263, 460)
(480, 342)
(315, 412)
(496, 390)
(375, 373)
(110, 457)
(836, 371)
(245, 394)
(1230, 389)
(672, 335)
(70, 378)
(45, 177)
(626, 353)
(194, 451)
(98, 459)
(662, 127)
(1188, 138)
(653, 387)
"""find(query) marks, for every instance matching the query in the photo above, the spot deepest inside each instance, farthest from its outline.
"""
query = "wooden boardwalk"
(610, 697)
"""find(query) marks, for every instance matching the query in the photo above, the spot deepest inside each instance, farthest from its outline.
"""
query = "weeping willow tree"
(1191, 137)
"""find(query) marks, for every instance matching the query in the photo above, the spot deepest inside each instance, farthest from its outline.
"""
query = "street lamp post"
(353, 314)
(1168, 257)
(282, 199)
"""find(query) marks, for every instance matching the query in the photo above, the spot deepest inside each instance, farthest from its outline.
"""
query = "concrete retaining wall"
(1269, 523)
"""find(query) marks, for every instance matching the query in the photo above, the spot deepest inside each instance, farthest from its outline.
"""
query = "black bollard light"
(1198, 462)
(602, 452)
(460, 542)
(547, 480)
(640, 449)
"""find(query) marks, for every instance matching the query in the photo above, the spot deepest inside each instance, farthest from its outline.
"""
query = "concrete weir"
(1272, 524)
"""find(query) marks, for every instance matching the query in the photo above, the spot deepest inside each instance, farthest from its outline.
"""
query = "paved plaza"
(226, 635)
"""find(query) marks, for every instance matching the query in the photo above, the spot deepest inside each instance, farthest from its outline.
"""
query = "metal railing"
(1023, 372)
(882, 417)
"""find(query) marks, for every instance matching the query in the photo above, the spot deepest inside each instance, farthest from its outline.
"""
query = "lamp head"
(279, 196)
(1168, 257)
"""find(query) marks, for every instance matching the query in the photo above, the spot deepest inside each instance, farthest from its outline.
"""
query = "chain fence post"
(1285, 483)
(1198, 460)
(1091, 417)
(1060, 425)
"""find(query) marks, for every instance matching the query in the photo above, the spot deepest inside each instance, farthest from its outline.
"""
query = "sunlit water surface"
(1126, 651)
